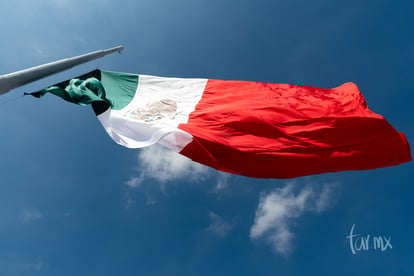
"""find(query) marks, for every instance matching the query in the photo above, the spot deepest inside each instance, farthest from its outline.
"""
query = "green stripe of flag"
(102, 89)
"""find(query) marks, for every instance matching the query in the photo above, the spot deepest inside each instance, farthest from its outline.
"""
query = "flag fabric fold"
(255, 129)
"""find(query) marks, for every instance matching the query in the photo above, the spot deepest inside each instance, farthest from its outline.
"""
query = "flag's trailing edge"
(262, 130)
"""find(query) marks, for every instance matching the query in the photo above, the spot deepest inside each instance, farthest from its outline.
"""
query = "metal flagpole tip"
(118, 49)
(26, 76)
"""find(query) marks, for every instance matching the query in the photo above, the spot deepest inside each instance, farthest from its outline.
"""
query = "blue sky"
(72, 202)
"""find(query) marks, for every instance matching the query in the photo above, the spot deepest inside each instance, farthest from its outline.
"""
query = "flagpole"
(26, 76)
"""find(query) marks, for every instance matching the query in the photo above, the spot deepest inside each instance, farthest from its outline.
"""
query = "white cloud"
(222, 182)
(218, 225)
(37, 266)
(135, 182)
(28, 215)
(165, 165)
(68, 214)
(278, 209)
(323, 197)
(129, 202)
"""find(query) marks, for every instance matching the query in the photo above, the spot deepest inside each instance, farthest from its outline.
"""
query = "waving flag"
(263, 130)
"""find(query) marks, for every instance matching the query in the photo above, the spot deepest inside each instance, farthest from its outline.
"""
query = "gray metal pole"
(26, 76)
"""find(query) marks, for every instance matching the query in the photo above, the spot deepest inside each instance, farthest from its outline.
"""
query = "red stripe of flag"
(283, 131)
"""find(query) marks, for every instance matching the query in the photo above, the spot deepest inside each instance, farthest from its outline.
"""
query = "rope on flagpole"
(12, 99)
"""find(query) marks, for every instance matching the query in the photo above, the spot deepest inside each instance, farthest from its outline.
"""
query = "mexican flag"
(256, 129)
